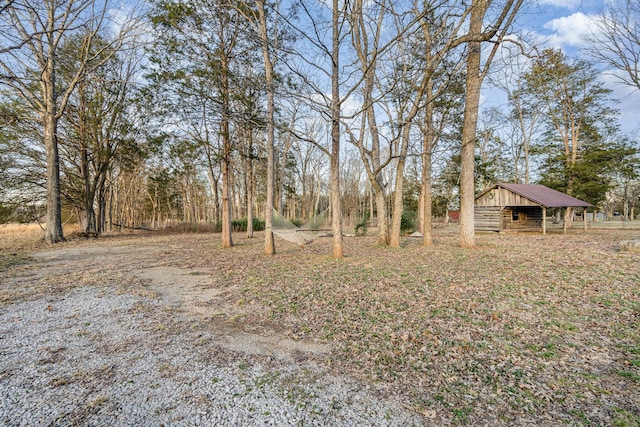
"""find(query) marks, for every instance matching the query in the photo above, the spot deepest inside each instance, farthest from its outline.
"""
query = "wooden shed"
(519, 207)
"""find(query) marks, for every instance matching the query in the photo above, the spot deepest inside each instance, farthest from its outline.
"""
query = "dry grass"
(23, 237)
(17, 240)
(524, 329)
(19, 236)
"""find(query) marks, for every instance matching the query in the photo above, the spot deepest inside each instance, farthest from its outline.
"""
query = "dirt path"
(136, 332)
(150, 269)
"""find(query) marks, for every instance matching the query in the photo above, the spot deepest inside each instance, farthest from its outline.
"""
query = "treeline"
(216, 112)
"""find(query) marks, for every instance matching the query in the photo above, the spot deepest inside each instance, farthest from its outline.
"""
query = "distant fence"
(613, 225)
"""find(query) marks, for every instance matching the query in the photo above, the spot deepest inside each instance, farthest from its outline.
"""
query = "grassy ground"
(524, 329)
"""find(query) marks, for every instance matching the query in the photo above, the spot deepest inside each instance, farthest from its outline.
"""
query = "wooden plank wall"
(503, 197)
(530, 219)
(488, 218)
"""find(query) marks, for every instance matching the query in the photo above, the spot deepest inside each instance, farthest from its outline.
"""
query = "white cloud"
(570, 31)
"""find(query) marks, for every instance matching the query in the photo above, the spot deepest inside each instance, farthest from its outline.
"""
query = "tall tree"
(522, 122)
(575, 108)
(337, 12)
(265, 43)
(402, 55)
(199, 59)
(316, 67)
(580, 125)
(478, 33)
(31, 35)
(433, 78)
(366, 22)
(97, 131)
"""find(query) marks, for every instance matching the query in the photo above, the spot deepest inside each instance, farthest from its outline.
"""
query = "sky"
(563, 24)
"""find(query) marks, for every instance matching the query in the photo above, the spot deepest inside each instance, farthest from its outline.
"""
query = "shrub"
(186, 227)
(408, 222)
(361, 227)
(240, 225)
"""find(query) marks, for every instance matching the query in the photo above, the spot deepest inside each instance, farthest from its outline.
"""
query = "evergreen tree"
(577, 148)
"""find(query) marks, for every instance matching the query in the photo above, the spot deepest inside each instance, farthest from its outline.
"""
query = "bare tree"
(425, 84)
(615, 41)
(478, 33)
(367, 45)
(399, 52)
(264, 16)
(322, 38)
(310, 165)
(269, 242)
(336, 102)
(524, 118)
(31, 34)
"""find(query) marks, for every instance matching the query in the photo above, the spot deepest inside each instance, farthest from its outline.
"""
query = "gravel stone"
(95, 356)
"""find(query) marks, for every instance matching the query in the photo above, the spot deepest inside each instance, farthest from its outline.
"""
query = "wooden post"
(568, 214)
(584, 219)
(544, 220)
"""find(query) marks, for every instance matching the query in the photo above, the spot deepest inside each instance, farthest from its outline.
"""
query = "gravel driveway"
(107, 335)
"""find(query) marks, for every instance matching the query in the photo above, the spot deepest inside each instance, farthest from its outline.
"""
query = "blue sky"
(564, 24)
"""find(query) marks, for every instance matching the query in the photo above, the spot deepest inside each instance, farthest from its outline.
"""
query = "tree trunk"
(568, 212)
(213, 185)
(227, 240)
(526, 162)
(336, 205)
(425, 193)
(371, 158)
(425, 184)
(269, 242)
(87, 215)
(382, 215)
(469, 128)
(398, 204)
(102, 204)
(398, 195)
(250, 197)
(53, 233)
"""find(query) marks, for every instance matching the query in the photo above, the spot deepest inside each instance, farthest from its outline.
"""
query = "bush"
(361, 227)
(185, 227)
(240, 225)
(408, 222)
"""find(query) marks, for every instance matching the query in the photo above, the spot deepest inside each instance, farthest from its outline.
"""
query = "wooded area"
(213, 114)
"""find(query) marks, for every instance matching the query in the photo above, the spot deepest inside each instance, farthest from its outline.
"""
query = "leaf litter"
(525, 329)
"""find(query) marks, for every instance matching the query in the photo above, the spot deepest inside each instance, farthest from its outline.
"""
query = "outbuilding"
(520, 207)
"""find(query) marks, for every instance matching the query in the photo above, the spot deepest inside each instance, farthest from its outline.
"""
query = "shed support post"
(584, 218)
(544, 220)
(568, 219)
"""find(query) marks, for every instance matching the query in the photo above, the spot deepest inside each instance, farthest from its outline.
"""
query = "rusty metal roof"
(544, 196)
